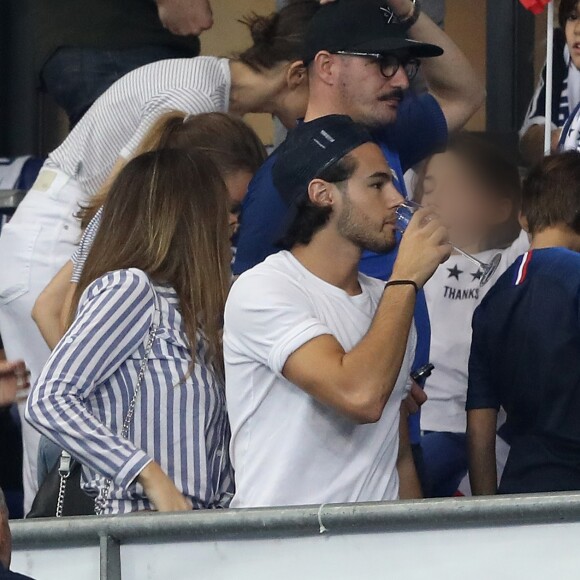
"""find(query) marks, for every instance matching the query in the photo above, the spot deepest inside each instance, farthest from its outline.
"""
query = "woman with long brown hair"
(231, 144)
(134, 390)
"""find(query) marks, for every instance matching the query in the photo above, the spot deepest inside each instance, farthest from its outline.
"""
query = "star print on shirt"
(454, 272)
(476, 275)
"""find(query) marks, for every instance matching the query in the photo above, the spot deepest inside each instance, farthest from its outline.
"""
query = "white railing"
(532, 537)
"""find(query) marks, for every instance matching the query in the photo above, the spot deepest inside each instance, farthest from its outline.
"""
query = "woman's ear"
(320, 193)
(296, 75)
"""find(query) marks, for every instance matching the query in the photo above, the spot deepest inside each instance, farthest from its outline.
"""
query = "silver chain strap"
(101, 500)
(64, 469)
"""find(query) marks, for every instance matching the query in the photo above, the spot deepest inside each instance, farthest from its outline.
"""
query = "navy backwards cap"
(308, 150)
(367, 26)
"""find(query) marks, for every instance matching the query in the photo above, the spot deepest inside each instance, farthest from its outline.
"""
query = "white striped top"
(119, 119)
(83, 394)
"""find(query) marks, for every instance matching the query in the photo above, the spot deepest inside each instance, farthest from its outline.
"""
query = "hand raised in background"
(185, 17)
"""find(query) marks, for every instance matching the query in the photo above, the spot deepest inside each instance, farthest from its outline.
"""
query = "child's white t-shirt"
(453, 294)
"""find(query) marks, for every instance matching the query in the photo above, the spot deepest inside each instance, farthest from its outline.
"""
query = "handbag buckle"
(64, 466)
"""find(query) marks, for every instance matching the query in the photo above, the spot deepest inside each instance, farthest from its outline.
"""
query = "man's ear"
(524, 222)
(323, 67)
(321, 193)
(296, 75)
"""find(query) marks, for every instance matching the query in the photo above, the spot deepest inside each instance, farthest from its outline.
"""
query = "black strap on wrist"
(403, 283)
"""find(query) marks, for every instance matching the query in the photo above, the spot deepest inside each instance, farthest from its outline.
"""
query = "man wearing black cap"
(359, 64)
(317, 355)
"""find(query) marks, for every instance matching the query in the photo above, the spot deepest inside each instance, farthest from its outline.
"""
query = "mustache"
(394, 95)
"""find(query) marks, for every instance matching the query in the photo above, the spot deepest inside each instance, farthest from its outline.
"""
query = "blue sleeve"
(481, 392)
(419, 131)
(263, 212)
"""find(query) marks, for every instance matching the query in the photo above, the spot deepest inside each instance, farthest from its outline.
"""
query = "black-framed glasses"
(388, 63)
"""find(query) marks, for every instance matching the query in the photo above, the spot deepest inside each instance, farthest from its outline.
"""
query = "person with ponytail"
(227, 141)
(269, 77)
(135, 390)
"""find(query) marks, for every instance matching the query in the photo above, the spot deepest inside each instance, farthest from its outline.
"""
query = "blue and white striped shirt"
(83, 394)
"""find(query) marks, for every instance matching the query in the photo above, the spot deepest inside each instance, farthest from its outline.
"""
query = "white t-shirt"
(286, 447)
(453, 294)
(119, 119)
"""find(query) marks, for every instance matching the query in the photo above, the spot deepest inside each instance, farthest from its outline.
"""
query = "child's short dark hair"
(567, 8)
(551, 193)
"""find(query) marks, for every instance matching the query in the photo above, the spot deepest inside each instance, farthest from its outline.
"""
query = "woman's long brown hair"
(227, 141)
(167, 215)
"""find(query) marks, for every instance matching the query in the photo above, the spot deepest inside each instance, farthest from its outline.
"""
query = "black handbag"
(49, 501)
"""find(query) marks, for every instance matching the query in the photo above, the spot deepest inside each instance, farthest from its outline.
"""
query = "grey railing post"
(110, 558)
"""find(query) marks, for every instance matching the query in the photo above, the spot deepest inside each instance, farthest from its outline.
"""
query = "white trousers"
(34, 245)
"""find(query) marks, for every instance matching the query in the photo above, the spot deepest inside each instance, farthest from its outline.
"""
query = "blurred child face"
(454, 193)
(573, 35)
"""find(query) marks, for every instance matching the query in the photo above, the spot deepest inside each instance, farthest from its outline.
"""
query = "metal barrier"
(295, 537)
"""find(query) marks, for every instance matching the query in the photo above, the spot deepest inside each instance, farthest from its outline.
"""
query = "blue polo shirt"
(420, 131)
(525, 357)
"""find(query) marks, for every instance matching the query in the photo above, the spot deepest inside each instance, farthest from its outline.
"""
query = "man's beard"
(359, 230)
(367, 114)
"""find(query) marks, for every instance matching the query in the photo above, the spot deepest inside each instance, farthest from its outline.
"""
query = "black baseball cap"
(308, 150)
(366, 26)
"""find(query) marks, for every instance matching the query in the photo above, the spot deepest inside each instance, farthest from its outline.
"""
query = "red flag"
(535, 6)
